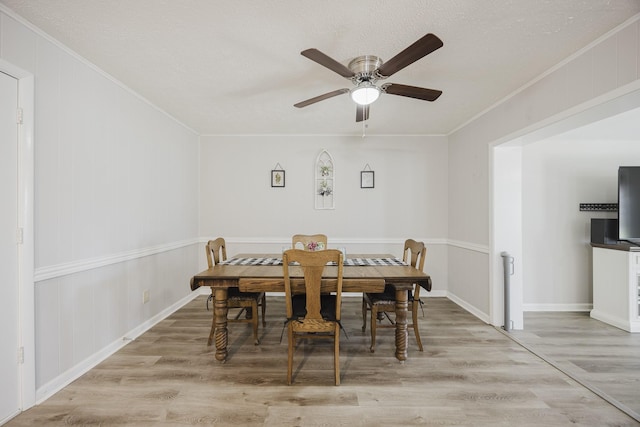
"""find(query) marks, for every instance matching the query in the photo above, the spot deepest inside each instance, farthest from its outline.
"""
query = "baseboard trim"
(9, 417)
(624, 324)
(470, 308)
(434, 294)
(557, 307)
(50, 388)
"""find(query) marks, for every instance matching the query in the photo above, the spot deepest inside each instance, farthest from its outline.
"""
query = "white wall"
(559, 174)
(116, 207)
(605, 69)
(409, 198)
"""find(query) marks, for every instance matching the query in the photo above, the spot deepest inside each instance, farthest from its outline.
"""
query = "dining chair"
(311, 313)
(217, 252)
(309, 242)
(381, 304)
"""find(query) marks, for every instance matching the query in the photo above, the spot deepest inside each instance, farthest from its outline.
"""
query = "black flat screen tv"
(629, 204)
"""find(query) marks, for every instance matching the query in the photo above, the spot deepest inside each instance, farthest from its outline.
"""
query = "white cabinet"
(616, 287)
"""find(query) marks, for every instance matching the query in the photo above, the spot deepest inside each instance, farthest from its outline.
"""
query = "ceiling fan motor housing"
(364, 68)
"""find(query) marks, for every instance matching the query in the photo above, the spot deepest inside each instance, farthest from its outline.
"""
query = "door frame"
(609, 104)
(26, 251)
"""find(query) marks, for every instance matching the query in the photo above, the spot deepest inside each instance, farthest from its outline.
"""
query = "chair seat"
(310, 326)
(378, 299)
(235, 295)
(384, 298)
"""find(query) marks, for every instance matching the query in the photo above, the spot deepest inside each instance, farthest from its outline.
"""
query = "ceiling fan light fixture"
(365, 93)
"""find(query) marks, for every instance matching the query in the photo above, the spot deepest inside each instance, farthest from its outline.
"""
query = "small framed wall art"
(367, 178)
(277, 176)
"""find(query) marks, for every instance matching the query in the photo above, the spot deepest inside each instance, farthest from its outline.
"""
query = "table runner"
(347, 262)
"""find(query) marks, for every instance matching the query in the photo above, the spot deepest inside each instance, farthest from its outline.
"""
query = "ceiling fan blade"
(417, 50)
(362, 113)
(324, 60)
(411, 91)
(320, 98)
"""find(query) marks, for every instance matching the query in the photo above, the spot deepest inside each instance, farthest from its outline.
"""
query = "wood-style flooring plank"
(469, 374)
(597, 354)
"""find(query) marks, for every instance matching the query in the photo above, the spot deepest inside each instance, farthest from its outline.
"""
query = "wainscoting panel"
(85, 316)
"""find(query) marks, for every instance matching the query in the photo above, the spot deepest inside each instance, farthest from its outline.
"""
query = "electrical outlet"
(145, 296)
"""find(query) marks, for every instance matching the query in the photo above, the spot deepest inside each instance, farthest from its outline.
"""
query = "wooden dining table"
(369, 274)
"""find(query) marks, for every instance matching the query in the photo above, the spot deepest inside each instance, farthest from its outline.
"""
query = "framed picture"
(367, 179)
(277, 178)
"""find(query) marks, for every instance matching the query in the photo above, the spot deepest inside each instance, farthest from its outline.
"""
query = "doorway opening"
(539, 178)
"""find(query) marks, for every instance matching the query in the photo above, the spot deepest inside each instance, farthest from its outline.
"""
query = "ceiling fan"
(365, 72)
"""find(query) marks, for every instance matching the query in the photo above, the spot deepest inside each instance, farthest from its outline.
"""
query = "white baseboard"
(470, 308)
(434, 294)
(66, 378)
(624, 324)
(557, 307)
(9, 417)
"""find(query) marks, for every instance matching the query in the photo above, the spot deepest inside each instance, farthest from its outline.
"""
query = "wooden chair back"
(313, 265)
(307, 240)
(415, 254)
(214, 249)
(217, 252)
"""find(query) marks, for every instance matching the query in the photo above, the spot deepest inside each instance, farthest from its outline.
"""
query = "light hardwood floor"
(602, 357)
(470, 374)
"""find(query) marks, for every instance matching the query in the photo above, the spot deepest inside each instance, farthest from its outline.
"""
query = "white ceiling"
(234, 67)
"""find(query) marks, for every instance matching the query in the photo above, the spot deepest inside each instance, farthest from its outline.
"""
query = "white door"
(9, 302)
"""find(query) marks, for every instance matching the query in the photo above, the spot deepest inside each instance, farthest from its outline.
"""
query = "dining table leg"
(220, 310)
(402, 305)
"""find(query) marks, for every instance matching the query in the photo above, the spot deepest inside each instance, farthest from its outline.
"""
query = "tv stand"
(616, 285)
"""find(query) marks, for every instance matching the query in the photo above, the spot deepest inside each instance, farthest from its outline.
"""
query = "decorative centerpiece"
(315, 246)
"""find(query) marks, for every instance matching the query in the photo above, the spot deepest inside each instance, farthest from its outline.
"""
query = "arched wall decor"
(325, 181)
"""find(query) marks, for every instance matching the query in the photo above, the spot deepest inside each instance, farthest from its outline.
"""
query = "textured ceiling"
(234, 67)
